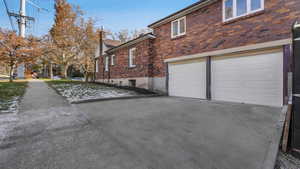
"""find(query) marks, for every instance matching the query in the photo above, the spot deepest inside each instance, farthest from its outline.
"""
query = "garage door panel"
(256, 79)
(188, 79)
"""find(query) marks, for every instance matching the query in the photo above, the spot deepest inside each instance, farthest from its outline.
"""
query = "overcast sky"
(112, 14)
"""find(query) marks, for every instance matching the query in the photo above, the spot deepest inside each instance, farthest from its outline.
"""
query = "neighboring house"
(227, 50)
(129, 64)
(106, 45)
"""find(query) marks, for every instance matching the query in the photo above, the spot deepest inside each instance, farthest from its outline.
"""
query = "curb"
(115, 98)
(136, 89)
(271, 156)
(147, 94)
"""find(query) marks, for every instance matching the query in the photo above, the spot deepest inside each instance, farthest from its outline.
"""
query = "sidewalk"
(43, 113)
(40, 96)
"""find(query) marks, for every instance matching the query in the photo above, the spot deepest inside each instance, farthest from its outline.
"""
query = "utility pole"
(22, 21)
(101, 52)
(22, 33)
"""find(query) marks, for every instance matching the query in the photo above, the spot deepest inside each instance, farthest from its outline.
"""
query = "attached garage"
(248, 78)
(188, 79)
(253, 78)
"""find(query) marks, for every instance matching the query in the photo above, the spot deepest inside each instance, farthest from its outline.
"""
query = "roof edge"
(132, 42)
(182, 12)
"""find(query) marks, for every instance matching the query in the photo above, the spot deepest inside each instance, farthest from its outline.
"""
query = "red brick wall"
(207, 32)
(101, 73)
(121, 68)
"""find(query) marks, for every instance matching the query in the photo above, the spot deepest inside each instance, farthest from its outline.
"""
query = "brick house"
(129, 64)
(228, 50)
(103, 47)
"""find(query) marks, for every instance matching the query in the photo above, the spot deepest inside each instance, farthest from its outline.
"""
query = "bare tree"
(109, 34)
(123, 35)
(138, 32)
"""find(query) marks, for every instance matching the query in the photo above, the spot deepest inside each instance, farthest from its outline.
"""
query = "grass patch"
(10, 94)
(10, 90)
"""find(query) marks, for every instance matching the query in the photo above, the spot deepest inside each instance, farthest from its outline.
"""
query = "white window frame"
(112, 60)
(179, 34)
(249, 11)
(97, 65)
(106, 63)
(130, 62)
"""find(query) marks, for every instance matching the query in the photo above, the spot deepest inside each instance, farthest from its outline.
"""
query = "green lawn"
(10, 93)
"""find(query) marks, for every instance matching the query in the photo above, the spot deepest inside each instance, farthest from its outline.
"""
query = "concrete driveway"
(181, 133)
(150, 133)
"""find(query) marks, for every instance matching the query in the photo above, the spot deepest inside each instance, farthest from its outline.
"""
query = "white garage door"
(188, 79)
(254, 79)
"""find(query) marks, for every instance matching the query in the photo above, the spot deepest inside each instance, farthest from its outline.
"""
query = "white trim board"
(232, 50)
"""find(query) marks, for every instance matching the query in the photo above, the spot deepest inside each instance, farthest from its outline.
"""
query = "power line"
(21, 17)
(9, 15)
(37, 6)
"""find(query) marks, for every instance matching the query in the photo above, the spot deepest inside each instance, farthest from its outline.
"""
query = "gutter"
(132, 42)
(183, 12)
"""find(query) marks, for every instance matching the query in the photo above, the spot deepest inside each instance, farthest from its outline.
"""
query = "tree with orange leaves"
(15, 50)
(65, 34)
(87, 46)
(49, 52)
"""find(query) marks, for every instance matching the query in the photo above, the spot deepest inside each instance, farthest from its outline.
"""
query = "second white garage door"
(254, 79)
(188, 79)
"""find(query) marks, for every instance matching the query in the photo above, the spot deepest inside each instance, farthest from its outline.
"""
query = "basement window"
(178, 27)
(237, 8)
(132, 83)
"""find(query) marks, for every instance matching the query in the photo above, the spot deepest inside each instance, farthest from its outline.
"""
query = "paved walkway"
(149, 133)
(40, 96)
(28, 135)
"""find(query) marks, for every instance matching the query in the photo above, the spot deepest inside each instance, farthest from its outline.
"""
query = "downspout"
(101, 52)
(95, 69)
(109, 62)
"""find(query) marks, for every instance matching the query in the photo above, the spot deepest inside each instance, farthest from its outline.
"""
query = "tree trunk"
(86, 77)
(45, 73)
(65, 71)
(11, 73)
(51, 70)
